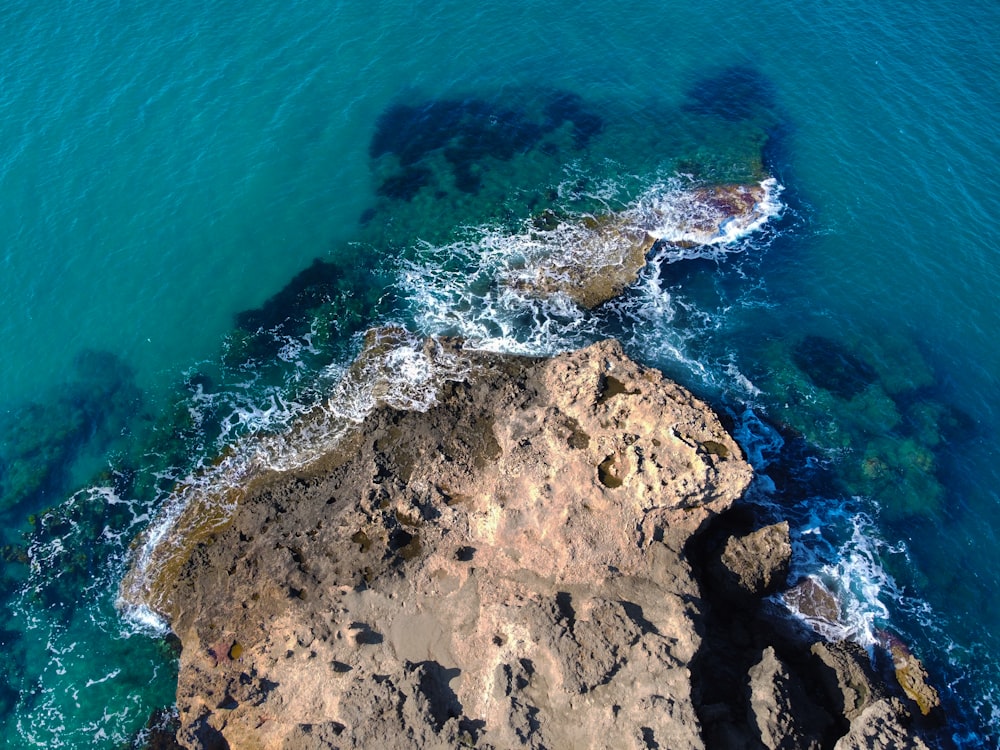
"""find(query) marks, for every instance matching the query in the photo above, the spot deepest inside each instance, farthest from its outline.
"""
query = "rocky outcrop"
(882, 726)
(593, 259)
(763, 678)
(755, 565)
(590, 260)
(911, 676)
(520, 565)
(781, 709)
(713, 214)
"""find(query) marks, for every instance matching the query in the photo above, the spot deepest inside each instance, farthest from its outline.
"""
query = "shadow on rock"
(764, 678)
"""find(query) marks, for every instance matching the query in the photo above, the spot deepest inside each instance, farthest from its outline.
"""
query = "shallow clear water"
(165, 169)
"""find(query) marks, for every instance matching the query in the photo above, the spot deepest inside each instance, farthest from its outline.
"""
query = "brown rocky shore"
(549, 556)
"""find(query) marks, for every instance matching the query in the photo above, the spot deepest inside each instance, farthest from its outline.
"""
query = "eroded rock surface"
(780, 707)
(754, 565)
(503, 569)
(881, 726)
(508, 568)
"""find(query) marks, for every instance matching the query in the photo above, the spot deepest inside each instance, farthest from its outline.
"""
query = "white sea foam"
(109, 676)
(843, 550)
(480, 286)
(464, 289)
(397, 369)
(142, 619)
(688, 218)
(833, 542)
(760, 441)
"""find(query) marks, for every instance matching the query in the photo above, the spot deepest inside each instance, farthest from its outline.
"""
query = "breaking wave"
(395, 369)
(505, 291)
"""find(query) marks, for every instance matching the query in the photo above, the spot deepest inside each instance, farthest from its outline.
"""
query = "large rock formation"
(510, 567)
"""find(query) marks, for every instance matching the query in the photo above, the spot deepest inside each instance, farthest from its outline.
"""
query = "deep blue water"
(167, 170)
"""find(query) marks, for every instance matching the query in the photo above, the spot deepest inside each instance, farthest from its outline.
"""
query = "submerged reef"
(321, 306)
(546, 554)
(872, 410)
(594, 258)
(734, 93)
(42, 442)
(832, 366)
(456, 161)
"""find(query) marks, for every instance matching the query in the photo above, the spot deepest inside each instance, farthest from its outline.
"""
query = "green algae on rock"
(912, 676)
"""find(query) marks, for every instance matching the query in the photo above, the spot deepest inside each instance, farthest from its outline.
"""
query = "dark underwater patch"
(683, 274)
(308, 289)
(468, 131)
(831, 366)
(565, 106)
(928, 416)
(468, 178)
(410, 132)
(405, 184)
(8, 698)
(735, 93)
(327, 300)
(776, 154)
(41, 440)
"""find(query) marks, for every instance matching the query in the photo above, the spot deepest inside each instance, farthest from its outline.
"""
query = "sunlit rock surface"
(507, 563)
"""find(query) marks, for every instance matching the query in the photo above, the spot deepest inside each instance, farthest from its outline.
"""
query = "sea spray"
(514, 291)
(395, 369)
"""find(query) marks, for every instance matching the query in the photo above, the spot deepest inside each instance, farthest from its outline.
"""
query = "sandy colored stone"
(705, 214)
(503, 568)
(813, 600)
(884, 725)
(913, 678)
(755, 564)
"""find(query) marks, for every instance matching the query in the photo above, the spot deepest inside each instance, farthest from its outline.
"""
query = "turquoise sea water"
(166, 170)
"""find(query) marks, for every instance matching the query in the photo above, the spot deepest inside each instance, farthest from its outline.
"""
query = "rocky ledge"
(547, 557)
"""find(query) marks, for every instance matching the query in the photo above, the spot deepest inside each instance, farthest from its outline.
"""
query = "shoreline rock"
(593, 259)
(765, 676)
(542, 558)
